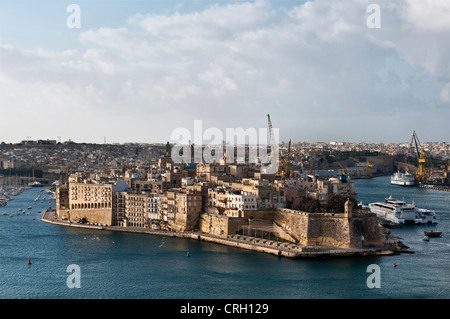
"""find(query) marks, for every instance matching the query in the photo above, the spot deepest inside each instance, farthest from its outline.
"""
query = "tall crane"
(421, 175)
(344, 168)
(368, 167)
(272, 137)
(285, 163)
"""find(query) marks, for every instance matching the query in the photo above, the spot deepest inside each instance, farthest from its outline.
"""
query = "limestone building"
(136, 210)
(231, 202)
(84, 202)
(181, 208)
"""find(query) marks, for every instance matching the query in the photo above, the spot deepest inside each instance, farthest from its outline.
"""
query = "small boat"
(11, 215)
(391, 224)
(432, 233)
(426, 238)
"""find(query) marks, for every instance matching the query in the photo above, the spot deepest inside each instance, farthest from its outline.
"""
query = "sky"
(135, 71)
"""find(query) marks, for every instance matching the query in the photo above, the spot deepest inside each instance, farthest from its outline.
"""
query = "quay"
(437, 187)
(282, 249)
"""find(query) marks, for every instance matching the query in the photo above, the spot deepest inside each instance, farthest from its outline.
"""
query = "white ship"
(399, 212)
(402, 179)
(35, 184)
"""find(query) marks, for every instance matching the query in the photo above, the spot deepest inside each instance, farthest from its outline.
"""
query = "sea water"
(137, 266)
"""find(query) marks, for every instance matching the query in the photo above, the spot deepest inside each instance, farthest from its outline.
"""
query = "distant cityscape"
(57, 160)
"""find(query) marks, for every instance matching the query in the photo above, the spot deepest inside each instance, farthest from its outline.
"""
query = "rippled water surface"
(127, 265)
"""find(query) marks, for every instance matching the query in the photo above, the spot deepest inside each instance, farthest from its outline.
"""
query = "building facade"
(85, 202)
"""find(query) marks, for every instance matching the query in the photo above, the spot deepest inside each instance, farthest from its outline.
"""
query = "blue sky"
(137, 70)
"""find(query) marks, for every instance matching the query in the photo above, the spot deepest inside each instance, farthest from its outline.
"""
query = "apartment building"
(181, 208)
(231, 202)
(153, 210)
(136, 210)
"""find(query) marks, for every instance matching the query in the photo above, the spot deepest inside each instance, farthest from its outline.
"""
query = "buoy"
(29, 261)
(395, 265)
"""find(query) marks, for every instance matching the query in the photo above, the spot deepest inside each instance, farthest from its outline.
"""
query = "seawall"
(282, 249)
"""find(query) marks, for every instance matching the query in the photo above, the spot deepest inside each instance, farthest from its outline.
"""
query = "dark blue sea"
(116, 265)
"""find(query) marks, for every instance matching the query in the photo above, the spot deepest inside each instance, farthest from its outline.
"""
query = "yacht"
(35, 184)
(403, 179)
(399, 212)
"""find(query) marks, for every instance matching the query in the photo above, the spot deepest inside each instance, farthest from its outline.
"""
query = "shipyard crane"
(369, 169)
(421, 175)
(344, 168)
(272, 137)
(284, 168)
(284, 165)
(369, 166)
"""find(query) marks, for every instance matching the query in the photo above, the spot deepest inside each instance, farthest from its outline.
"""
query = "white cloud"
(445, 93)
(313, 67)
(427, 15)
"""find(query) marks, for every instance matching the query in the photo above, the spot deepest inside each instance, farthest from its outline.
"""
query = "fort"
(340, 230)
(308, 235)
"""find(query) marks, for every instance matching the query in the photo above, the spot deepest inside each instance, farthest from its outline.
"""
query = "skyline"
(134, 71)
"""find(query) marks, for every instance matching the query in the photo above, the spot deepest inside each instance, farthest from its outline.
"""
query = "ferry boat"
(403, 179)
(426, 216)
(399, 212)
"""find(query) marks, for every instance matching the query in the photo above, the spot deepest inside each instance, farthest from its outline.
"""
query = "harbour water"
(141, 266)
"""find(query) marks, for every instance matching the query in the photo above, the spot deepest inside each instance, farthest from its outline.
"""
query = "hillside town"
(221, 199)
(314, 168)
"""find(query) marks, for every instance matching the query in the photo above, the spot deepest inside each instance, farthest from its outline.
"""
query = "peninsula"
(226, 203)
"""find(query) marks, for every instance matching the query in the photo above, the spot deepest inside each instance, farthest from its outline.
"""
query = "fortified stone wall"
(309, 229)
(323, 229)
(185, 221)
(328, 230)
(219, 225)
(294, 225)
(97, 216)
(365, 224)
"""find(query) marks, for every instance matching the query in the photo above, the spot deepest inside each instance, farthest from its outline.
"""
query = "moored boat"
(432, 233)
(402, 179)
(399, 212)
